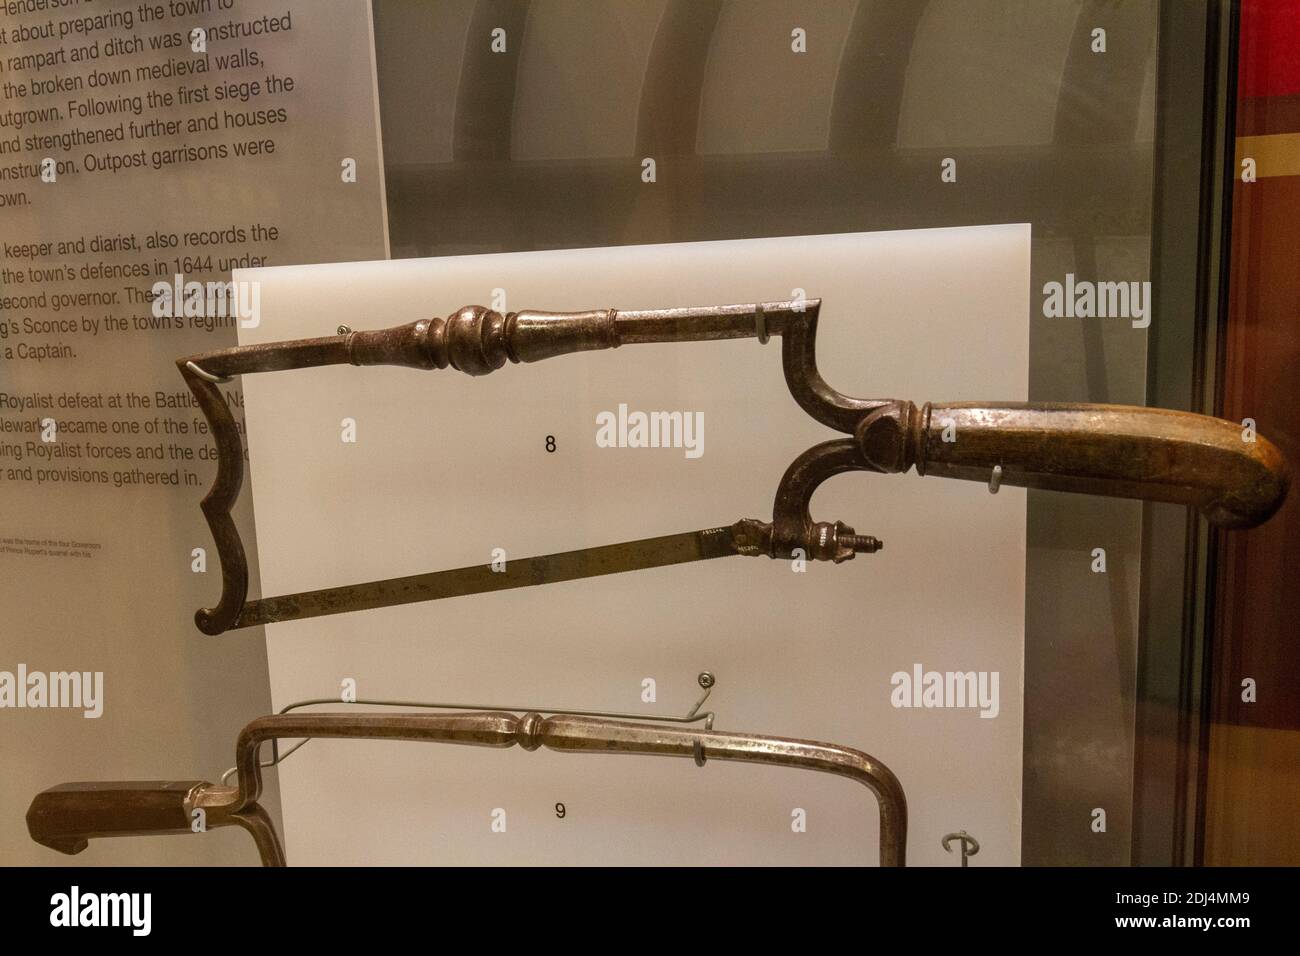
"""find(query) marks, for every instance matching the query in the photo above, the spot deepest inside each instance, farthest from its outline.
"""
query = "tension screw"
(862, 543)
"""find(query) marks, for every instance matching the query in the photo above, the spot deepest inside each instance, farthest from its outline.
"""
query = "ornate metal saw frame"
(1120, 451)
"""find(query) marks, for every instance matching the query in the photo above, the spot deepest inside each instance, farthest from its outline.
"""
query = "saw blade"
(480, 578)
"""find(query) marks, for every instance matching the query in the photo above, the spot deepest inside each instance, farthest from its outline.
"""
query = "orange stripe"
(1274, 155)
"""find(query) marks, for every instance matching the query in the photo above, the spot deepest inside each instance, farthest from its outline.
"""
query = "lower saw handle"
(67, 817)
(1115, 450)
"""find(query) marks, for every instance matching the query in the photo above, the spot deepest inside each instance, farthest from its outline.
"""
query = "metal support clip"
(208, 376)
(969, 845)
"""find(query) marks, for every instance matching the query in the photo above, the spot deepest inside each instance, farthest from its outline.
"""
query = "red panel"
(1269, 48)
(1259, 604)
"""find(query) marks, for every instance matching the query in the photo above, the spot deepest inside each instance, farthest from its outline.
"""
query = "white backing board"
(446, 468)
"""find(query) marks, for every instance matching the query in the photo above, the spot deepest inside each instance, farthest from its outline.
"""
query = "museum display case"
(497, 322)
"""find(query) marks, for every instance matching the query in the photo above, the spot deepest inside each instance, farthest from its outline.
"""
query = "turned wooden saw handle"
(1236, 479)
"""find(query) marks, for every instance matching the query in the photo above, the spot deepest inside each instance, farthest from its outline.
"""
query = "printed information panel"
(146, 145)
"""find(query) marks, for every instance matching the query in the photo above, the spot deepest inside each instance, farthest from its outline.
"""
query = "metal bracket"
(760, 324)
(969, 845)
(208, 376)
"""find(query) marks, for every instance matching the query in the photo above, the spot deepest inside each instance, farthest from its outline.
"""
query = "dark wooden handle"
(66, 817)
(1235, 478)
